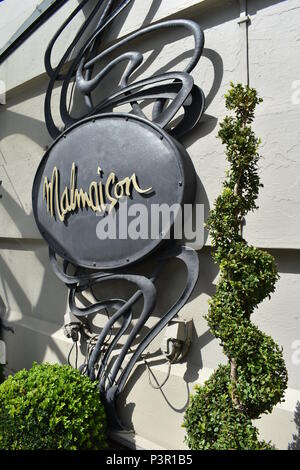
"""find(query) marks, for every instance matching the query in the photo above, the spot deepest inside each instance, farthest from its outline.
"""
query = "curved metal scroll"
(170, 92)
(112, 384)
(82, 65)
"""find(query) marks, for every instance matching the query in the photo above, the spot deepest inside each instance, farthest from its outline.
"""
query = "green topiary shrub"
(51, 407)
(213, 423)
(219, 415)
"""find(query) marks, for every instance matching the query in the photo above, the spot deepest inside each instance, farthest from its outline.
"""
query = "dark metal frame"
(170, 91)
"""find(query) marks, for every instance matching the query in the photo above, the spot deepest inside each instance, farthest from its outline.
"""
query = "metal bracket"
(244, 19)
(177, 340)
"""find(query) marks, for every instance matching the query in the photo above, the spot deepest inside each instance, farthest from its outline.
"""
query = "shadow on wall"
(36, 129)
(255, 5)
(169, 288)
(295, 445)
(154, 46)
(51, 296)
(126, 409)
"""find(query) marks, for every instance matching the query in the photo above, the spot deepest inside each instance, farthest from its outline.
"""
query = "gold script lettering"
(94, 198)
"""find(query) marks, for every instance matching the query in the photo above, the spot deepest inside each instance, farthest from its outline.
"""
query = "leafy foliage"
(51, 407)
(212, 422)
(220, 413)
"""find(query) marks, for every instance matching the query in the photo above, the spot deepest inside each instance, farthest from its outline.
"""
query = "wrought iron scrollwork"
(181, 92)
(170, 92)
(112, 384)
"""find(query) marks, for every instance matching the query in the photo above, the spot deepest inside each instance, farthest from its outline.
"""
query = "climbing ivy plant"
(220, 413)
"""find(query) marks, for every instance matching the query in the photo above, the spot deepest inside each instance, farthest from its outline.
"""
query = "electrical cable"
(76, 354)
(158, 386)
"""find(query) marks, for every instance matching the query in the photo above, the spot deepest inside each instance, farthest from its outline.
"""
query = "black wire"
(89, 350)
(76, 354)
(158, 386)
(69, 355)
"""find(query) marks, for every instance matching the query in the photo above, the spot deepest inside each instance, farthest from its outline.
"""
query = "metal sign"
(122, 144)
(103, 160)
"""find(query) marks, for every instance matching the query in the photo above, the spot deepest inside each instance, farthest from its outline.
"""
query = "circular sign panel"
(100, 191)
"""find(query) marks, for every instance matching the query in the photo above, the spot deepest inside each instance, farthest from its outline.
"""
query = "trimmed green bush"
(220, 413)
(51, 407)
(212, 423)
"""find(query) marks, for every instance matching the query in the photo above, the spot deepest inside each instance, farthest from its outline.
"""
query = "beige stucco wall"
(34, 302)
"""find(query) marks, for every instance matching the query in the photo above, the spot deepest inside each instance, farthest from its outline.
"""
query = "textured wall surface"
(34, 302)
